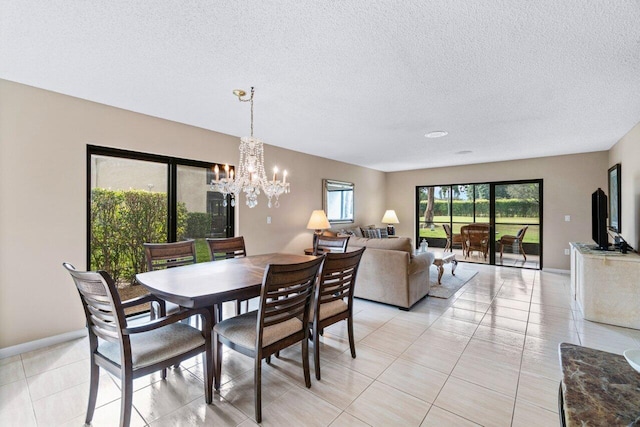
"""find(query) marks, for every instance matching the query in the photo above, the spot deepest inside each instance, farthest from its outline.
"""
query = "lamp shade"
(390, 217)
(318, 221)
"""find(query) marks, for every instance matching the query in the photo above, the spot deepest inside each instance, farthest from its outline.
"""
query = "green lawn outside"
(202, 250)
(503, 226)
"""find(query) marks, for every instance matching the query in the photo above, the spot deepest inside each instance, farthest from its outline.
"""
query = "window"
(134, 198)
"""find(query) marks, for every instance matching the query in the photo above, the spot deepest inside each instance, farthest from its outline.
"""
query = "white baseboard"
(557, 270)
(41, 343)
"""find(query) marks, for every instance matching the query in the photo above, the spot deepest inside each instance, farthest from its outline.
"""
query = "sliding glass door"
(518, 210)
(134, 198)
(506, 207)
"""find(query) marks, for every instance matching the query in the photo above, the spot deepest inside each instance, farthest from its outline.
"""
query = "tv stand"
(599, 249)
(605, 285)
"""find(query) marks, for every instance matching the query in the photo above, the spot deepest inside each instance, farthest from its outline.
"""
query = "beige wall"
(43, 138)
(568, 182)
(627, 153)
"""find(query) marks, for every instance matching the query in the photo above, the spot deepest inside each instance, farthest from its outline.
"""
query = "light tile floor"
(487, 356)
(509, 259)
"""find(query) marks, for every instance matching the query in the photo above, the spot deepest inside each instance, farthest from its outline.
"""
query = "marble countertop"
(587, 249)
(599, 388)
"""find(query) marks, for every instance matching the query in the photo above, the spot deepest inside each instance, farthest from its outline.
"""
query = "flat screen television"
(599, 220)
(615, 200)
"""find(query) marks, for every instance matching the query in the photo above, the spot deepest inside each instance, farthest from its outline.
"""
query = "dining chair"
(168, 255)
(333, 299)
(475, 238)
(452, 238)
(280, 321)
(231, 247)
(131, 351)
(332, 244)
(514, 240)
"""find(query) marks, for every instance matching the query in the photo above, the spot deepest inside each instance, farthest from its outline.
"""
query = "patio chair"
(452, 239)
(475, 238)
(514, 240)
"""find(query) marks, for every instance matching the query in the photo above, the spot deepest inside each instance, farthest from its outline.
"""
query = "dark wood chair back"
(232, 247)
(166, 255)
(333, 300)
(286, 294)
(333, 243)
(102, 305)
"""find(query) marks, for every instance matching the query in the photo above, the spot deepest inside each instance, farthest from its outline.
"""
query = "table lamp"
(317, 222)
(390, 218)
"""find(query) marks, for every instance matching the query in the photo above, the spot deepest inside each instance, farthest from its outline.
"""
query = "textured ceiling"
(356, 81)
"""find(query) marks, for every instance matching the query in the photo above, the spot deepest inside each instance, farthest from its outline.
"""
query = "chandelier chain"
(250, 99)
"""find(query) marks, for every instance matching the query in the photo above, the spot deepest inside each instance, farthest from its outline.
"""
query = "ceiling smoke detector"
(437, 134)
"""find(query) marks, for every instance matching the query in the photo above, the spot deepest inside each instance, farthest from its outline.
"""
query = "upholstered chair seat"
(330, 309)
(242, 330)
(148, 348)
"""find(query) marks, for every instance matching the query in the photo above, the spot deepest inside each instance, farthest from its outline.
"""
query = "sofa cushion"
(399, 244)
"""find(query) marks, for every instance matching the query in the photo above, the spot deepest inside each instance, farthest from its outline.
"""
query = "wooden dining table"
(207, 284)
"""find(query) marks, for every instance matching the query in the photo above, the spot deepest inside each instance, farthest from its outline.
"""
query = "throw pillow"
(371, 233)
(366, 227)
(355, 231)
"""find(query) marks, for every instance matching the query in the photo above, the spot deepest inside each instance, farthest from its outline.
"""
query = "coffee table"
(442, 258)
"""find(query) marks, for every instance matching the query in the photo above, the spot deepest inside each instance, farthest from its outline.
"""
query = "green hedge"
(504, 208)
(199, 224)
(121, 221)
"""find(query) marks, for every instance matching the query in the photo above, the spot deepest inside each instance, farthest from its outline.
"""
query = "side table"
(321, 251)
(442, 258)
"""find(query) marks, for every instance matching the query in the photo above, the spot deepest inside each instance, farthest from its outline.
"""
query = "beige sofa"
(390, 273)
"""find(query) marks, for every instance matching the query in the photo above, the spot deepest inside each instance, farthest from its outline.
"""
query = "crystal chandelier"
(251, 177)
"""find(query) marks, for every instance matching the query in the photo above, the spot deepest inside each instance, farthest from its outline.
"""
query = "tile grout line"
(458, 359)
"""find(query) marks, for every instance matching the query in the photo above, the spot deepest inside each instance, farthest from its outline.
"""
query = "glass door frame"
(492, 211)
(492, 214)
(172, 164)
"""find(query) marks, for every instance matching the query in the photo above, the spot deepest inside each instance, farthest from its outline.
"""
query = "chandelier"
(251, 177)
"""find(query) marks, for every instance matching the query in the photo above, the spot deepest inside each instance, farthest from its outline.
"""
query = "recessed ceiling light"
(464, 152)
(437, 134)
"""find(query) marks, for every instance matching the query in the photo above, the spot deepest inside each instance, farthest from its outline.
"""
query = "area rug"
(450, 284)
